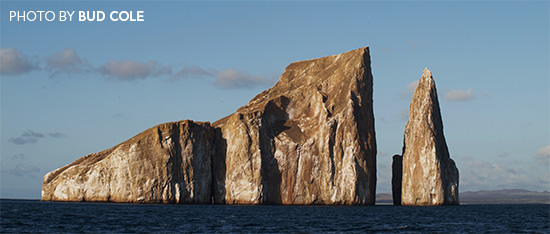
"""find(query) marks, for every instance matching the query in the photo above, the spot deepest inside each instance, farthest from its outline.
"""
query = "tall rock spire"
(430, 176)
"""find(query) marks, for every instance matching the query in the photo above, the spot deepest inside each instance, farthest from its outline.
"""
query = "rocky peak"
(308, 140)
(430, 176)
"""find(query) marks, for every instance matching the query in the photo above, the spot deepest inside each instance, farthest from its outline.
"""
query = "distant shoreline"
(488, 197)
(483, 197)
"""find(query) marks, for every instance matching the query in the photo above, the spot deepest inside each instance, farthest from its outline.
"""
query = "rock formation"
(430, 176)
(169, 163)
(396, 178)
(308, 140)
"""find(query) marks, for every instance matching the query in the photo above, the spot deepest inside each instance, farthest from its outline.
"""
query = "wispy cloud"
(13, 62)
(66, 62)
(130, 70)
(22, 140)
(21, 170)
(408, 92)
(56, 135)
(412, 86)
(18, 157)
(459, 95)
(30, 133)
(233, 79)
(543, 155)
(226, 79)
(29, 137)
(195, 71)
(485, 175)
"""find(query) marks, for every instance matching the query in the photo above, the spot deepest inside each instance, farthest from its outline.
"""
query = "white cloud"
(66, 61)
(226, 79)
(13, 62)
(129, 70)
(195, 72)
(412, 86)
(56, 135)
(459, 95)
(27, 137)
(23, 140)
(231, 79)
(408, 93)
(30, 133)
(21, 170)
(484, 175)
(543, 155)
(30, 136)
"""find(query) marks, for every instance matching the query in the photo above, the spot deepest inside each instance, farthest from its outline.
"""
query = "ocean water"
(60, 217)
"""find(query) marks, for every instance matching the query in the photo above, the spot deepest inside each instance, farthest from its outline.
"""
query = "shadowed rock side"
(430, 176)
(308, 140)
(397, 178)
(169, 163)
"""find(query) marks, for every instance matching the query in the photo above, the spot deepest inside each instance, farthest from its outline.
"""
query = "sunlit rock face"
(308, 140)
(430, 176)
(169, 163)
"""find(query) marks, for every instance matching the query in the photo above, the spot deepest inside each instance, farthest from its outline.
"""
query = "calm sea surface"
(36, 216)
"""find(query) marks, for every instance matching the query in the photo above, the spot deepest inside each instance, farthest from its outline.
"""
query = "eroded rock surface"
(169, 163)
(308, 140)
(430, 176)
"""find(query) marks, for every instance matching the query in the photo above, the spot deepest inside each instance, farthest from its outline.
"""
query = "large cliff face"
(308, 140)
(169, 163)
(430, 176)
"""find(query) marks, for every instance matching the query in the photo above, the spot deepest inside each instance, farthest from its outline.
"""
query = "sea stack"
(396, 178)
(430, 176)
(308, 140)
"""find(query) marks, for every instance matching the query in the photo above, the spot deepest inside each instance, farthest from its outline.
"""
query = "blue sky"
(69, 89)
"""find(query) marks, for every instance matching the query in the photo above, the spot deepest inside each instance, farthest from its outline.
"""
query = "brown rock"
(308, 140)
(169, 163)
(397, 179)
(430, 176)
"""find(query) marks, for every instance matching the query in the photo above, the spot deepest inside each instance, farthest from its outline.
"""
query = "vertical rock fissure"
(175, 161)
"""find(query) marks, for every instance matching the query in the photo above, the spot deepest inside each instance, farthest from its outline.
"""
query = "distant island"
(503, 196)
